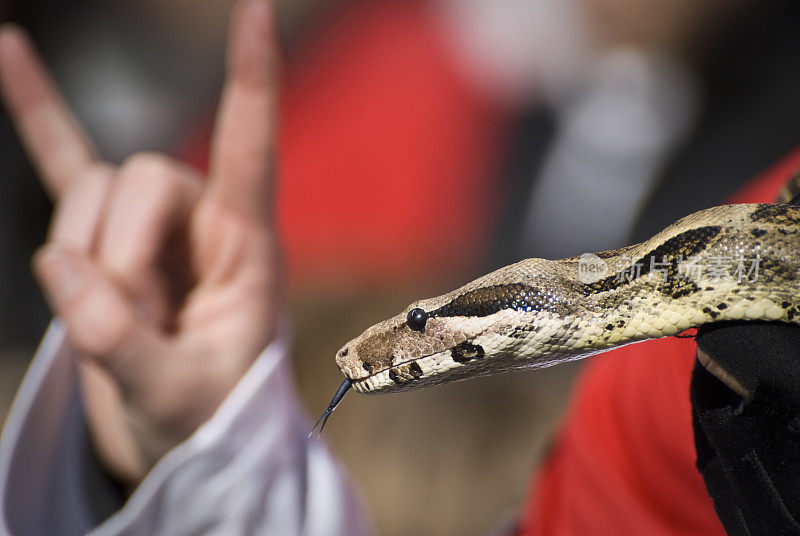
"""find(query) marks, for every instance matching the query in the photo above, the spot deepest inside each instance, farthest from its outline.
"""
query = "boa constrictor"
(726, 263)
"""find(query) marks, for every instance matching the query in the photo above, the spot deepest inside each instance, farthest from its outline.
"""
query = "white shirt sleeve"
(248, 470)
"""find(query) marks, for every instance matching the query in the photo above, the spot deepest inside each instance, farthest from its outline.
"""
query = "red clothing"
(624, 460)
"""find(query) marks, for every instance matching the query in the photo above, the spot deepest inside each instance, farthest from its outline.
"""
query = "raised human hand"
(167, 283)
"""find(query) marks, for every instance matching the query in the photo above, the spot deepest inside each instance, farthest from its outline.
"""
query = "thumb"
(100, 321)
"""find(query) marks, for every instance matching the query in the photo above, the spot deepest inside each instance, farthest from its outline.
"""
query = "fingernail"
(9, 33)
(6, 27)
(258, 9)
(12, 40)
(60, 273)
(262, 5)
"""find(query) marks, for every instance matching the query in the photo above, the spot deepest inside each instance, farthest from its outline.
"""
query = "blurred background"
(423, 142)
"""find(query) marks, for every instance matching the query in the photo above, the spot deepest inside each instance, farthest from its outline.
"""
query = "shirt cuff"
(248, 469)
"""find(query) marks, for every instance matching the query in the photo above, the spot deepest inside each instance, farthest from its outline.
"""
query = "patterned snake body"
(733, 262)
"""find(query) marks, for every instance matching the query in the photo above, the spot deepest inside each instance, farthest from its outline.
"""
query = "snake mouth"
(423, 370)
(393, 378)
(361, 386)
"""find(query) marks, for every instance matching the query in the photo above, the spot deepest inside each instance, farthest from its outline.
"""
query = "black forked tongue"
(340, 392)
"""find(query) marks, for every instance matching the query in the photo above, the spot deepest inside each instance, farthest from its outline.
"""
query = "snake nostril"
(343, 351)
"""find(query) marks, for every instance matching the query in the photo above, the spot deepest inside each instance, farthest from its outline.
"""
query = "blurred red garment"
(386, 155)
(624, 460)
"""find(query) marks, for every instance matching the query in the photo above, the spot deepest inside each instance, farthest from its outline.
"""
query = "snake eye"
(416, 319)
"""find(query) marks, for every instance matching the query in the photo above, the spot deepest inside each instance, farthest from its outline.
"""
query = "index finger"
(241, 149)
(54, 141)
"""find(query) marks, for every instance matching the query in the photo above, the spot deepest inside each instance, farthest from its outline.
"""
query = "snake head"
(471, 331)
(422, 346)
(399, 353)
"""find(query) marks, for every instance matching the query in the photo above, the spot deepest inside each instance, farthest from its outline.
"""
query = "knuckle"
(100, 334)
(157, 177)
(151, 167)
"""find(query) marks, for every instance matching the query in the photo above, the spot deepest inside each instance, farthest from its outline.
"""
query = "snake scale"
(725, 263)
